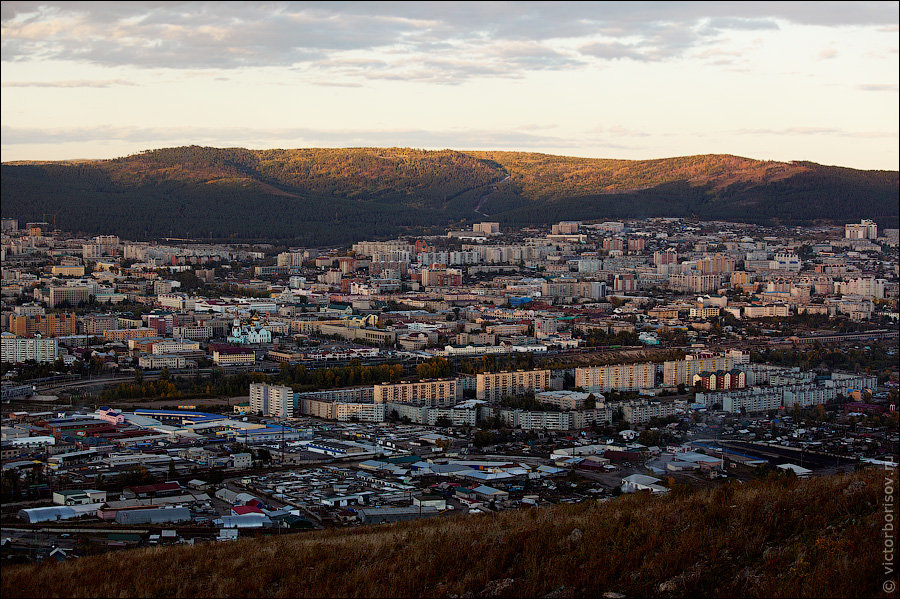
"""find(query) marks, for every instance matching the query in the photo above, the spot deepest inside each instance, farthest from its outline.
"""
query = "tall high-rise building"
(865, 229)
(274, 400)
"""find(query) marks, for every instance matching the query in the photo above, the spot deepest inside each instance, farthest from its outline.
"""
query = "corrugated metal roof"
(178, 514)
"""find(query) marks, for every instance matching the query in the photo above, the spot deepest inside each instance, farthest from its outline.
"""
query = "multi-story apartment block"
(364, 412)
(759, 400)
(20, 349)
(866, 229)
(176, 301)
(718, 264)
(441, 277)
(564, 400)
(568, 227)
(175, 346)
(666, 257)
(67, 270)
(294, 258)
(529, 420)
(229, 356)
(274, 400)
(743, 280)
(625, 282)
(638, 412)
(486, 228)
(195, 332)
(126, 334)
(732, 379)
(493, 386)
(154, 361)
(766, 311)
(370, 248)
(71, 296)
(91, 251)
(619, 377)
(438, 392)
(701, 312)
(687, 283)
(98, 324)
(29, 310)
(681, 372)
(868, 286)
(46, 325)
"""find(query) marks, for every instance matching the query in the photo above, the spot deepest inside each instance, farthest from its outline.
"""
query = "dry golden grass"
(774, 538)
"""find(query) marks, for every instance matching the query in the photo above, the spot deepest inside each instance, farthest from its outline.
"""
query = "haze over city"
(766, 80)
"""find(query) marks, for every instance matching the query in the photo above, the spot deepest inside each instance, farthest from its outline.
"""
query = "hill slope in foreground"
(323, 196)
(775, 537)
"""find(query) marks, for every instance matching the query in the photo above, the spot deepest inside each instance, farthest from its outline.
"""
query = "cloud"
(471, 39)
(288, 137)
(741, 24)
(834, 131)
(74, 83)
(877, 87)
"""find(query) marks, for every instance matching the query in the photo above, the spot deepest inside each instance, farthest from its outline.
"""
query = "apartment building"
(717, 264)
(126, 334)
(175, 346)
(441, 277)
(194, 332)
(296, 258)
(486, 228)
(274, 400)
(687, 283)
(433, 393)
(98, 324)
(230, 356)
(866, 229)
(46, 325)
(71, 296)
(619, 377)
(639, 412)
(155, 361)
(564, 400)
(869, 287)
(681, 372)
(21, 349)
(766, 311)
(363, 412)
(493, 386)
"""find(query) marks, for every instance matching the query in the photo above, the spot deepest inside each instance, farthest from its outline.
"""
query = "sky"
(783, 81)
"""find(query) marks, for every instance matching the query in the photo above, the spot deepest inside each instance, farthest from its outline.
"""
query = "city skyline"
(780, 81)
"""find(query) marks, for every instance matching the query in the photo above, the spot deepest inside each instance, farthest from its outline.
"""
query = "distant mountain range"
(332, 196)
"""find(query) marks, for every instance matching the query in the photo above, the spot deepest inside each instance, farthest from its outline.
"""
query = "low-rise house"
(642, 482)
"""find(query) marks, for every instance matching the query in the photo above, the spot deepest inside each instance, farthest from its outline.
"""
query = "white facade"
(866, 229)
(273, 400)
(21, 349)
(161, 361)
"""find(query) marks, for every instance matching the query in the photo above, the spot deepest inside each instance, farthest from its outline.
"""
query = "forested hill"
(325, 196)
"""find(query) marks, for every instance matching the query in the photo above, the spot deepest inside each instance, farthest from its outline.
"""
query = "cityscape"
(386, 371)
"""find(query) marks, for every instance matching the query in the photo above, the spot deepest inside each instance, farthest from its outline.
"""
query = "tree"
(482, 438)
(215, 476)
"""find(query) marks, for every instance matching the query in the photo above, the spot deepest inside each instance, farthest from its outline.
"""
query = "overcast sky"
(770, 80)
